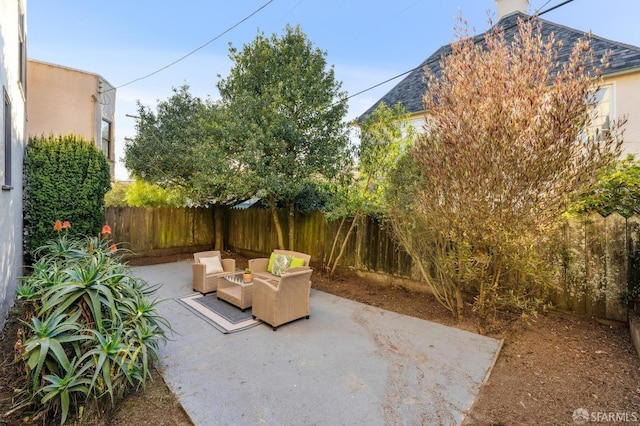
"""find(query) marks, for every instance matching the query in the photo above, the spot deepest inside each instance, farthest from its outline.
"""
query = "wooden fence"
(600, 265)
(601, 259)
(161, 231)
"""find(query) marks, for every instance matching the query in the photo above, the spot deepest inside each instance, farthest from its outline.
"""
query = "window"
(22, 52)
(601, 113)
(106, 139)
(7, 140)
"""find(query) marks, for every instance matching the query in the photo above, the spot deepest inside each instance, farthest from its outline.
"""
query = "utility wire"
(478, 40)
(545, 4)
(198, 48)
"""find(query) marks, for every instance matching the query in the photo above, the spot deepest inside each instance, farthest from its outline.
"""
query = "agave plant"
(47, 339)
(59, 249)
(110, 356)
(85, 282)
(143, 337)
(64, 390)
(29, 293)
(86, 307)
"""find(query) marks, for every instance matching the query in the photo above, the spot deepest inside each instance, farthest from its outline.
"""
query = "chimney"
(507, 7)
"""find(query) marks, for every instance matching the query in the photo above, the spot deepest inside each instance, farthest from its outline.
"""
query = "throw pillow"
(212, 264)
(270, 265)
(296, 261)
(280, 264)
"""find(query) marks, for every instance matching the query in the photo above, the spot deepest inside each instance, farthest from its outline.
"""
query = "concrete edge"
(485, 380)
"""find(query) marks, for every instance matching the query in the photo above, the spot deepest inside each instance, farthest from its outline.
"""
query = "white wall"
(11, 199)
(626, 99)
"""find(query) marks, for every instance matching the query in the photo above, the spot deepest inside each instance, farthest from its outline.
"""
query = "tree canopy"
(183, 145)
(286, 117)
(278, 130)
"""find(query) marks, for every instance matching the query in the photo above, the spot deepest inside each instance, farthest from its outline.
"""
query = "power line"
(198, 48)
(545, 4)
(437, 59)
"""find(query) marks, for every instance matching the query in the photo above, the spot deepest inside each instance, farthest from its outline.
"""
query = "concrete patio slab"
(349, 364)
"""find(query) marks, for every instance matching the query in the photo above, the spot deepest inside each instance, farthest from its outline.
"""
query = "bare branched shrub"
(505, 149)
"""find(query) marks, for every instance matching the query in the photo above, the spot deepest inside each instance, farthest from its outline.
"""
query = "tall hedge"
(65, 178)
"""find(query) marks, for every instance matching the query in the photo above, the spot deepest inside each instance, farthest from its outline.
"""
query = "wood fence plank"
(574, 282)
(595, 266)
(616, 266)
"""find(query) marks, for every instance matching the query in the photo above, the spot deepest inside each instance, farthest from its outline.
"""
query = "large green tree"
(183, 145)
(167, 140)
(286, 118)
(504, 153)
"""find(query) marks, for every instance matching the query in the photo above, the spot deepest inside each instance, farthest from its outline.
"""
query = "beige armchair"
(279, 302)
(208, 282)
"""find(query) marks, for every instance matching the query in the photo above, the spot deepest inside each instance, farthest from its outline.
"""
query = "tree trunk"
(291, 219)
(218, 223)
(459, 303)
(276, 222)
(344, 245)
(335, 243)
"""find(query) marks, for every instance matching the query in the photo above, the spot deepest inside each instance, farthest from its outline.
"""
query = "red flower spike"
(57, 226)
(106, 230)
(113, 248)
(66, 224)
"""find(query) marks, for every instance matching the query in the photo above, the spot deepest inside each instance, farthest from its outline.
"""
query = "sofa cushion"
(212, 265)
(280, 264)
(268, 276)
(270, 264)
(296, 261)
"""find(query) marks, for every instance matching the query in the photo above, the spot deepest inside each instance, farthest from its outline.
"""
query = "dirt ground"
(546, 370)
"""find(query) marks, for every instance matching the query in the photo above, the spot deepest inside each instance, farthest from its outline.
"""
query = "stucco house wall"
(626, 95)
(11, 92)
(64, 100)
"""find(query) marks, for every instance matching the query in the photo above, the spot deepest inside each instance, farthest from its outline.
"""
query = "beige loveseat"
(259, 266)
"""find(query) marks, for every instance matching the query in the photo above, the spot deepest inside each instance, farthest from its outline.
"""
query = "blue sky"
(366, 41)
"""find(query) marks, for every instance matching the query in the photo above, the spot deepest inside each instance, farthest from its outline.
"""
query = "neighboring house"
(617, 98)
(63, 100)
(13, 79)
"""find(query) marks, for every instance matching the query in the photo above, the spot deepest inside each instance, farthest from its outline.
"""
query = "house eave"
(621, 72)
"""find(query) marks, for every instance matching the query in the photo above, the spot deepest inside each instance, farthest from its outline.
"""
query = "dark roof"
(410, 91)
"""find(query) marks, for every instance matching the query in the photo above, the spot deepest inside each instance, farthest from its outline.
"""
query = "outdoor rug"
(220, 314)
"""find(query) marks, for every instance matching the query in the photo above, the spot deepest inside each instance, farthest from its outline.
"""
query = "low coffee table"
(234, 290)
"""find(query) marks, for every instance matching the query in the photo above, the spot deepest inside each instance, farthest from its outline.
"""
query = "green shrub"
(90, 331)
(617, 191)
(64, 177)
(116, 195)
(145, 194)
